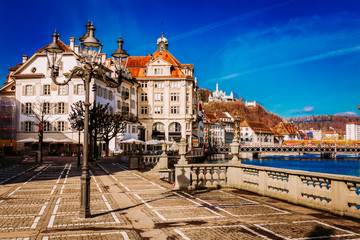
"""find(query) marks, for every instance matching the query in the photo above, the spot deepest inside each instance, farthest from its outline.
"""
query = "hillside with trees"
(338, 122)
(237, 107)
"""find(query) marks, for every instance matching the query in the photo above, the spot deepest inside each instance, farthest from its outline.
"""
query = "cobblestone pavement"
(42, 202)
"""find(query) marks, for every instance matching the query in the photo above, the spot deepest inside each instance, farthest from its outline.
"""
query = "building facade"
(353, 131)
(39, 99)
(256, 134)
(168, 104)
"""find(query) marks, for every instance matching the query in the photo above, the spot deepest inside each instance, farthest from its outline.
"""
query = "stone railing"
(332, 193)
(150, 160)
(203, 175)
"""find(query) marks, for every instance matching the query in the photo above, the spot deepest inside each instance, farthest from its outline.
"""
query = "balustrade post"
(339, 193)
(163, 160)
(294, 187)
(234, 146)
(263, 182)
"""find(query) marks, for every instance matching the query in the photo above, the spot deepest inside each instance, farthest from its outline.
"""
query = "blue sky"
(296, 57)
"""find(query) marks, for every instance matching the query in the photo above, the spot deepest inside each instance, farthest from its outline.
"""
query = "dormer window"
(158, 71)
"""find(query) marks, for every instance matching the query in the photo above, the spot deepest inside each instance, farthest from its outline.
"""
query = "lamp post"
(334, 140)
(95, 128)
(90, 60)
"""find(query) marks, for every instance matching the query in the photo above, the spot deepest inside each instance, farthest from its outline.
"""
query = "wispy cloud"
(222, 23)
(347, 113)
(302, 60)
(229, 21)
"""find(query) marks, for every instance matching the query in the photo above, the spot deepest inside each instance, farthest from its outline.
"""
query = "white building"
(353, 131)
(35, 93)
(168, 106)
(250, 104)
(220, 96)
(256, 134)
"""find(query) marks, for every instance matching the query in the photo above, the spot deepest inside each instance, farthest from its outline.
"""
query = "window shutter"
(34, 90)
(55, 108)
(36, 127)
(23, 108)
(55, 126)
(66, 108)
(75, 89)
(66, 89)
(42, 90)
(32, 108)
(66, 126)
(23, 90)
(50, 127)
(22, 126)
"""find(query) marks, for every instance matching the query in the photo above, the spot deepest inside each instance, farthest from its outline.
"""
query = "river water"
(343, 165)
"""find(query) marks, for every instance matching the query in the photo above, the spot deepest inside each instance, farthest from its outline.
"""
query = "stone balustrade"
(332, 193)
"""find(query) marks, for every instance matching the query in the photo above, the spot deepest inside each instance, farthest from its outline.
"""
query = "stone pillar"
(182, 152)
(234, 146)
(163, 160)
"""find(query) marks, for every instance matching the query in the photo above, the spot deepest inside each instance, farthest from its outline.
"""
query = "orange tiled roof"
(257, 127)
(286, 128)
(136, 65)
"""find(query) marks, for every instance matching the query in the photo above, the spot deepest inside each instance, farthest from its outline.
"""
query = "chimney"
(72, 43)
(25, 58)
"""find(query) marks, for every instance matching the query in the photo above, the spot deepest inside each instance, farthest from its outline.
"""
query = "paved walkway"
(42, 202)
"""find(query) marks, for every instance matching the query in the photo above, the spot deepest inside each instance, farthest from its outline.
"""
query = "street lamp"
(90, 60)
(95, 128)
(334, 140)
(118, 56)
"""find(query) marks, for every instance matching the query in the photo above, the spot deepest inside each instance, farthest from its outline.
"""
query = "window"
(28, 108)
(143, 97)
(111, 95)
(118, 104)
(61, 126)
(99, 91)
(46, 89)
(105, 93)
(80, 89)
(174, 109)
(46, 127)
(145, 71)
(28, 126)
(143, 110)
(158, 84)
(187, 126)
(29, 90)
(159, 97)
(158, 71)
(144, 84)
(187, 97)
(174, 97)
(175, 84)
(63, 90)
(133, 129)
(187, 110)
(132, 91)
(46, 108)
(61, 108)
(159, 110)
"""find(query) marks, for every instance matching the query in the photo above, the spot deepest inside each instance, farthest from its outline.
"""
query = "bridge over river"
(325, 151)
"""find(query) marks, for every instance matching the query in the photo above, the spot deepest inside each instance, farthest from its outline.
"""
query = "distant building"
(214, 130)
(256, 133)
(313, 134)
(331, 135)
(250, 104)
(289, 131)
(353, 131)
(220, 96)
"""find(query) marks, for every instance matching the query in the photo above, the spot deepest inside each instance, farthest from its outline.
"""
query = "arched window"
(158, 127)
(175, 127)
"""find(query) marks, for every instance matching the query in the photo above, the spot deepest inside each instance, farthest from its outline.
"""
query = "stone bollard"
(182, 152)
(234, 146)
(163, 160)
